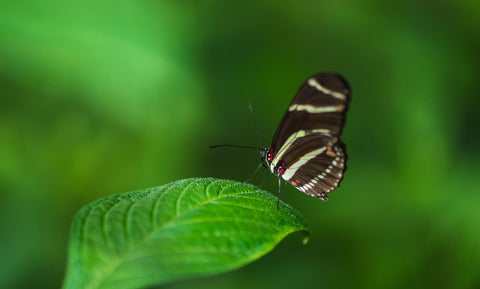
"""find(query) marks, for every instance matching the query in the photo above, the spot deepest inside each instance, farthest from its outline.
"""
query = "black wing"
(315, 165)
(296, 119)
(307, 142)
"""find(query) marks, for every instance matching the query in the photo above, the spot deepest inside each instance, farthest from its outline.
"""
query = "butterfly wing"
(330, 94)
(306, 143)
(315, 165)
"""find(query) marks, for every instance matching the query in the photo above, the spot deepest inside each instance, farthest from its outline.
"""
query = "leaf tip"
(305, 237)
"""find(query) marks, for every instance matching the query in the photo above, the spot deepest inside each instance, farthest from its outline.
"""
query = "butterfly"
(306, 150)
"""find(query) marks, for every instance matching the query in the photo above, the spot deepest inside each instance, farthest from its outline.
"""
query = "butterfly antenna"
(256, 124)
(235, 146)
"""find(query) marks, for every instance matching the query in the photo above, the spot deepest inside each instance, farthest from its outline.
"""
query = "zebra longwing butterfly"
(306, 150)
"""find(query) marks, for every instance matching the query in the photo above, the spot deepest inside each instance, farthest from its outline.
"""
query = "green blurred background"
(105, 97)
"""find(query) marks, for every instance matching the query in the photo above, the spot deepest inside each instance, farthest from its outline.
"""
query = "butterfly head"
(266, 157)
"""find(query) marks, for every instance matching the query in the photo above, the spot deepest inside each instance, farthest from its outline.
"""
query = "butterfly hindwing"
(315, 166)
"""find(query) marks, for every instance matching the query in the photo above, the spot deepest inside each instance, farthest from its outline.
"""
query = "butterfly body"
(306, 149)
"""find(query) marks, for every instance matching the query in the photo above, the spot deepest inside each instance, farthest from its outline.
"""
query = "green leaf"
(186, 228)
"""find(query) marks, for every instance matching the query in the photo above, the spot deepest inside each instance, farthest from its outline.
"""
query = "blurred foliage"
(106, 97)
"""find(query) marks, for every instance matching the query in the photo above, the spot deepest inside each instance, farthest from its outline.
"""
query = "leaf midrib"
(96, 283)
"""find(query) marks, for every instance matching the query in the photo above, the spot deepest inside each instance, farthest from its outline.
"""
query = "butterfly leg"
(264, 179)
(281, 191)
(254, 173)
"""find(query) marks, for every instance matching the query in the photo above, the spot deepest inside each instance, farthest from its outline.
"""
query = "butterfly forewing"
(306, 149)
(313, 108)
